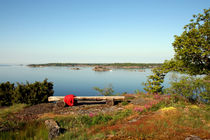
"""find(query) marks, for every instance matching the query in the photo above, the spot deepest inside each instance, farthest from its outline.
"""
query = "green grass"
(11, 109)
(29, 131)
(78, 126)
(185, 119)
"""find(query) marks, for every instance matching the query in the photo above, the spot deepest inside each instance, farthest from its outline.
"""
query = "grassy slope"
(160, 118)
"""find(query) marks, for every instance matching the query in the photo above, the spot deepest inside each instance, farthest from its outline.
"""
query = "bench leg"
(75, 102)
(110, 102)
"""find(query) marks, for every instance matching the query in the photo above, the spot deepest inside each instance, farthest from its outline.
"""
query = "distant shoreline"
(107, 65)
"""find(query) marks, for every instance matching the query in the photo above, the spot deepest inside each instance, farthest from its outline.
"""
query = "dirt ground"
(83, 108)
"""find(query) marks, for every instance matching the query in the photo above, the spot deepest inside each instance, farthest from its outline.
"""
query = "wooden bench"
(110, 100)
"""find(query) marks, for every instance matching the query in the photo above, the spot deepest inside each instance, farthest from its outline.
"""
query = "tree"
(107, 91)
(192, 47)
(192, 53)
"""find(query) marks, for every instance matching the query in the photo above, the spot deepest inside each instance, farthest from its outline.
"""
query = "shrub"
(34, 93)
(158, 102)
(6, 92)
(194, 89)
(108, 91)
(31, 94)
(124, 103)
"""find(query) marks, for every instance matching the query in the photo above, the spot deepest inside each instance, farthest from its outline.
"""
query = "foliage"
(108, 91)
(32, 130)
(192, 53)
(11, 109)
(194, 89)
(159, 101)
(153, 84)
(79, 125)
(124, 103)
(6, 92)
(170, 122)
(35, 93)
(137, 91)
(31, 94)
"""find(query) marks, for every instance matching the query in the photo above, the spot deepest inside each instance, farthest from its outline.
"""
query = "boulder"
(193, 137)
(53, 127)
(60, 104)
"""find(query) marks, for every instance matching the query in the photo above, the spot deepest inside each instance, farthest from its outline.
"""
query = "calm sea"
(78, 82)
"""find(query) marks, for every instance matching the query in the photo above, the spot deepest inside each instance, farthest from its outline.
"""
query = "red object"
(69, 99)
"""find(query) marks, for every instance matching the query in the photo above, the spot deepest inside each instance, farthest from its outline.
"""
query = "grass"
(162, 118)
(165, 120)
(79, 127)
(28, 131)
(11, 109)
(18, 130)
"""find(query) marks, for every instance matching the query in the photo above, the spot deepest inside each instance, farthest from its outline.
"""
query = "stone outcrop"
(60, 104)
(53, 127)
(193, 137)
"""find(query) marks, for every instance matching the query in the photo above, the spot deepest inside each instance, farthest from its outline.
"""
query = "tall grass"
(29, 131)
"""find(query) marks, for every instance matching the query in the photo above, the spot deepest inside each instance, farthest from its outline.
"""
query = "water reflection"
(78, 82)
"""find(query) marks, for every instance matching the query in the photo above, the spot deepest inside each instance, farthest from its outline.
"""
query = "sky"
(92, 31)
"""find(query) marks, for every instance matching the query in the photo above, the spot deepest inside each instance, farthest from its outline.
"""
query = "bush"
(31, 94)
(194, 89)
(6, 92)
(108, 91)
(124, 103)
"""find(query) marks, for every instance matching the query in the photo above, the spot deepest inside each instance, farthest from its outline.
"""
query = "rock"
(193, 137)
(133, 120)
(54, 128)
(60, 104)
(75, 68)
(54, 132)
(139, 101)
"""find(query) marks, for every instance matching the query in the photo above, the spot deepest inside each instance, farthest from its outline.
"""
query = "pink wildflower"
(91, 115)
(140, 109)
(147, 106)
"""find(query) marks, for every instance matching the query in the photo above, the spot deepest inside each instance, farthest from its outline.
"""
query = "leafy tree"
(153, 83)
(192, 53)
(192, 47)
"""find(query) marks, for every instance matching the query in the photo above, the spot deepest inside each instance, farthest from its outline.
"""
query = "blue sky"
(92, 31)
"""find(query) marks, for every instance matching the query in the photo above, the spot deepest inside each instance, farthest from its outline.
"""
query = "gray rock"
(133, 120)
(54, 132)
(193, 137)
(60, 104)
(54, 128)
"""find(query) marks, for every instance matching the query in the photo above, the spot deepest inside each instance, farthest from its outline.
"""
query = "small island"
(100, 68)
(75, 68)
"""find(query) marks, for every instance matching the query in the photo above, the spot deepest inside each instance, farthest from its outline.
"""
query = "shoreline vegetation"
(101, 65)
(141, 116)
